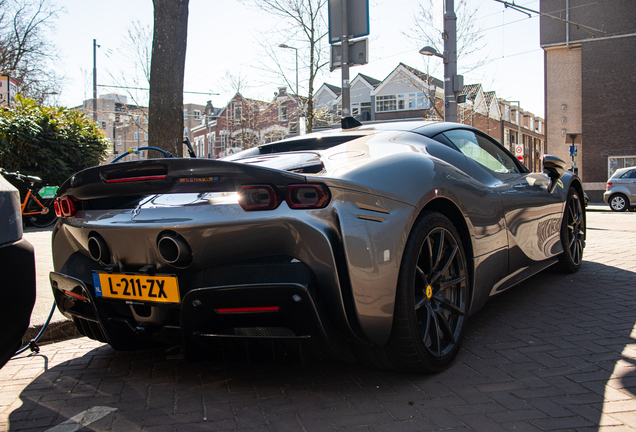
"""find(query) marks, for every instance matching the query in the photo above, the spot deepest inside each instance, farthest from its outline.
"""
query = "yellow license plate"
(140, 287)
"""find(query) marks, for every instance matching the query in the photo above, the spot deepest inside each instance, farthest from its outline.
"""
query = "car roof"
(622, 170)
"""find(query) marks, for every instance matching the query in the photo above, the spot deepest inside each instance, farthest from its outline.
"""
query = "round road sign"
(521, 159)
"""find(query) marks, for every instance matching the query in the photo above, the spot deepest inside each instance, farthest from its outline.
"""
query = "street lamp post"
(453, 83)
(95, 79)
(295, 49)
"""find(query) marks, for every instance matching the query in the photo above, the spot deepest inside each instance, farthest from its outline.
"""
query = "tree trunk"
(167, 68)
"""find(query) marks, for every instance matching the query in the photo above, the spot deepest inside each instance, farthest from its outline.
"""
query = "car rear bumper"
(283, 312)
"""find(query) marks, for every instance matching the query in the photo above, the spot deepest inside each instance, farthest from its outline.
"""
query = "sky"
(226, 37)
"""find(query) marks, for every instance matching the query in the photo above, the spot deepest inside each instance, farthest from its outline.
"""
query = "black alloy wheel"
(440, 286)
(572, 234)
(618, 202)
(432, 301)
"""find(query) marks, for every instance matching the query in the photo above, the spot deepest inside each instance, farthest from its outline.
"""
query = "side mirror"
(554, 168)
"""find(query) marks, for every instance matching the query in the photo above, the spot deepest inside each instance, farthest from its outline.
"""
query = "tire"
(572, 234)
(618, 202)
(432, 298)
(45, 219)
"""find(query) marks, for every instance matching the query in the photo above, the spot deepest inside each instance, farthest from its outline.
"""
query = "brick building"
(245, 123)
(590, 85)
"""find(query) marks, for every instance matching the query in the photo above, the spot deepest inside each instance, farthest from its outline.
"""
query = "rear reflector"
(76, 296)
(307, 196)
(65, 206)
(608, 186)
(257, 197)
(249, 309)
(135, 179)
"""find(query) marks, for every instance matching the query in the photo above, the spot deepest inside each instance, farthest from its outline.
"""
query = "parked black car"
(17, 267)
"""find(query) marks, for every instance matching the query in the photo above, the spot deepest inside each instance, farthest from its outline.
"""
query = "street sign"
(357, 19)
(358, 54)
(521, 159)
(573, 150)
(519, 150)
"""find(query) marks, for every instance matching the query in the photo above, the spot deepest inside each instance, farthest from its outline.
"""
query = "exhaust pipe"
(174, 250)
(98, 249)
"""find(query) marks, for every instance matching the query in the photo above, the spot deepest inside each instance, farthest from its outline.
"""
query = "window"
(385, 103)
(531, 123)
(197, 115)
(617, 162)
(282, 113)
(507, 112)
(185, 114)
(135, 136)
(238, 111)
(145, 136)
(482, 151)
(119, 140)
(185, 132)
(401, 102)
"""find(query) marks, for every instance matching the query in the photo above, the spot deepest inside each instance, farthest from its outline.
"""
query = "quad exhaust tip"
(98, 249)
(174, 249)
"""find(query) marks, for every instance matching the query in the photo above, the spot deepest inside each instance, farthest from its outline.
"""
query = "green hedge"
(49, 142)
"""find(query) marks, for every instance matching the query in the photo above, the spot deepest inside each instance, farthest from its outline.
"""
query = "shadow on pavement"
(551, 354)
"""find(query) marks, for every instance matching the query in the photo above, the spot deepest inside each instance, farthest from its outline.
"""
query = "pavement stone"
(555, 353)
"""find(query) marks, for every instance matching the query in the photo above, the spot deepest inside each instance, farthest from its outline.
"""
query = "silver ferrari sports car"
(372, 242)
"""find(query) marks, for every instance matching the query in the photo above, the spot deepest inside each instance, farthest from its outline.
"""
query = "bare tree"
(470, 35)
(136, 50)
(304, 27)
(235, 83)
(167, 69)
(26, 52)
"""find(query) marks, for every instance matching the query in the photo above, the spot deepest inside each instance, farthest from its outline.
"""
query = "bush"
(49, 142)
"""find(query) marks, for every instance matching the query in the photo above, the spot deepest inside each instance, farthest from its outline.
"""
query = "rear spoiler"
(171, 175)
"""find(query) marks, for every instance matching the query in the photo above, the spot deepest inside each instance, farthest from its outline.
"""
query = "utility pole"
(95, 79)
(453, 83)
(346, 94)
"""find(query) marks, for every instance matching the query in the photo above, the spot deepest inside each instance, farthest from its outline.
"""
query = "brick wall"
(563, 87)
(609, 92)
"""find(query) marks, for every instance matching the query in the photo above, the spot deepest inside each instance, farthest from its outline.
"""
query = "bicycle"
(39, 212)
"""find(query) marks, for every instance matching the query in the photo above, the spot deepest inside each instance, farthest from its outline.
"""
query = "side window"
(482, 151)
(629, 174)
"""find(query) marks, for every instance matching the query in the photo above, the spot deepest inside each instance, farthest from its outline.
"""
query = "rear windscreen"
(313, 143)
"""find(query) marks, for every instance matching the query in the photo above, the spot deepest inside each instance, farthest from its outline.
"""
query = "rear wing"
(171, 175)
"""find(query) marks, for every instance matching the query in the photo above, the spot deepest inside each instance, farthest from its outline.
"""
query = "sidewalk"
(60, 327)
(555, 353)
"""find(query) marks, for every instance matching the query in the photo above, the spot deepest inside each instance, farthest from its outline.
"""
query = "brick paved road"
(555, 353)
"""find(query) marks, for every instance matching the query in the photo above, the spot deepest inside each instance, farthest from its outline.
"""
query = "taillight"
(302, 196)
(257, 197)
(608, 186)
(307, 196)
(65, 207)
